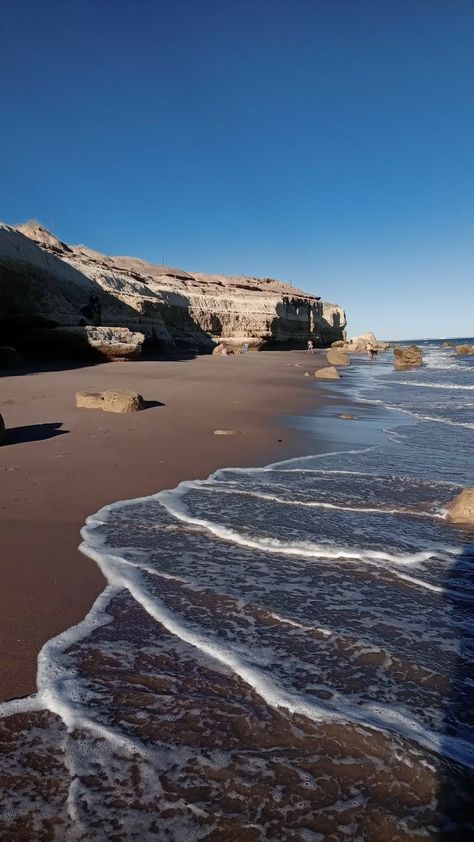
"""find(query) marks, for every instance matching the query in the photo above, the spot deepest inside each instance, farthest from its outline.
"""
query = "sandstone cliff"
(46, 283)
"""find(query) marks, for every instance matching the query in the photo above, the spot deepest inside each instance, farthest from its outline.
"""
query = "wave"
(439, 419)
(172, 501)
(380, 717)
(428, 385)
(313, 504)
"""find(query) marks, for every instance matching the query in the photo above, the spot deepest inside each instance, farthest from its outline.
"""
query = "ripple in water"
(280, 653)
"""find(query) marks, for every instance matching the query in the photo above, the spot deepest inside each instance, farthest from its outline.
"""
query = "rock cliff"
(46, 284)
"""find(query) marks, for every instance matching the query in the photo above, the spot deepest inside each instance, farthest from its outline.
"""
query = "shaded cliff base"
(61, 463)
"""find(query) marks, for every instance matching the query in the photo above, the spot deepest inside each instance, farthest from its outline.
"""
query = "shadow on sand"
(33, 432)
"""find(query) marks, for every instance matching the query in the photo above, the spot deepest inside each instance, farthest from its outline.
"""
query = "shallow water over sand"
(280, 653)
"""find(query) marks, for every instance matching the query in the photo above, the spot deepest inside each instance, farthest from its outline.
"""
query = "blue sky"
(326, 142)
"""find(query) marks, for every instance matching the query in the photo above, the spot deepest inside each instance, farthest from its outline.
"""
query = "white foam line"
(379, 717)
(428, 385)
(321, 456)
(169, 500)
(318, 504)
(430, 418)
(23, 705)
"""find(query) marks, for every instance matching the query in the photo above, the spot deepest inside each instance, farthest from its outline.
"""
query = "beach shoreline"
(60, 464)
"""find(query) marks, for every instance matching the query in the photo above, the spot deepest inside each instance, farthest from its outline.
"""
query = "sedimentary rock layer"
(46, 283)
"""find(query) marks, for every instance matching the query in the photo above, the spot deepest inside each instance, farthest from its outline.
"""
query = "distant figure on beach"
(93, 310)
(244, 348)
(310, 347)
(371, 351)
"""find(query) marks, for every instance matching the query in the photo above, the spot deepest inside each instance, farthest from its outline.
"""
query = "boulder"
(346, 416)
(115, 343)
(461, 509)
(465, 349)
(110, 401)
(358, 344)
(219, 351)
(2, 429)
(339, 344)
(447, 345)
(336, 357)
(406, 358)
(111, 343)
(327, 373)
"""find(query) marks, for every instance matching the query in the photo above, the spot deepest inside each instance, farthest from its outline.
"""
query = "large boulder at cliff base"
(461, 509)
(465, 349)
(110, 343)
(338, 344)
(406, 358)
(337, 357)
(111, 400)
(327, 373)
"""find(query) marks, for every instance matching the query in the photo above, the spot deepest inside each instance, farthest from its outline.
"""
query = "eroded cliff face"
(45, 282)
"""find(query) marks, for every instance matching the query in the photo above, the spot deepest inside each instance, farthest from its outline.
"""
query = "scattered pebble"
(346, 416)
(227, 432)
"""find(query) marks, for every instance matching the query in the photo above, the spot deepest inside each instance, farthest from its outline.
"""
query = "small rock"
(465, 349)
(227, 432)
(346, 416)
(307, 374)
(447, 345)
(461, 509)
(327, 373)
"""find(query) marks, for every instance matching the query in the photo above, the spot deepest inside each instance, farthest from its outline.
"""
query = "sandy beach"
(60, 464)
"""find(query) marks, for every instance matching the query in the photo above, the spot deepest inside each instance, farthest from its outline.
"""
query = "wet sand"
(60, 464)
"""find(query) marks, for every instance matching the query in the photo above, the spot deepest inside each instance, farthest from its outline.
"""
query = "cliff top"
(172, 277)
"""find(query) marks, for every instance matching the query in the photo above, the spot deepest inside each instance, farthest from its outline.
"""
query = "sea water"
(280, 653)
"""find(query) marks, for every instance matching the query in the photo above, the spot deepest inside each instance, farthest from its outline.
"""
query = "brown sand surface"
(60, 464)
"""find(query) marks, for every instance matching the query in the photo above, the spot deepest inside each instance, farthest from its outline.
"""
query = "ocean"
(282, 652)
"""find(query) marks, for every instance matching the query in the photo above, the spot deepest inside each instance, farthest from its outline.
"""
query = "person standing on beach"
(310, 348)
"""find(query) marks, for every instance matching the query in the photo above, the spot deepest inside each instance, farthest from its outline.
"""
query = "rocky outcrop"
(336, 356)
(447, 345)
(406, 358)
(358, 344)
(327, 373)
(461, 509)
(45, 282)
(465, 349)
(110, 401)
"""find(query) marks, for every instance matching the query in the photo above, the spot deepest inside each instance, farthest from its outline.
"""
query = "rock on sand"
(336, 357)
(327, 373)
(110, 401)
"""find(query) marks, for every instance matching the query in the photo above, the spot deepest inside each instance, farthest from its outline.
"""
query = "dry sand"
(60, 464)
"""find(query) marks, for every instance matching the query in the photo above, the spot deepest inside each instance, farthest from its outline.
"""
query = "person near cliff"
(95, 309)
(310, 346)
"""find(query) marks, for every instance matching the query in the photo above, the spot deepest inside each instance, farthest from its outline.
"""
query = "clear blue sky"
(327, 142)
